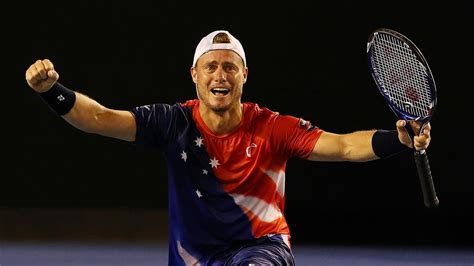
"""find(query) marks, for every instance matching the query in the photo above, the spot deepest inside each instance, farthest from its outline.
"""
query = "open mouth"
(220, 91)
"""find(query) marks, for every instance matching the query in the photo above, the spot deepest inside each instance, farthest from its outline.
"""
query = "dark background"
(307, 60)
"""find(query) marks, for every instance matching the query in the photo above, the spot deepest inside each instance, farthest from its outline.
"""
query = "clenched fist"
(41, 75)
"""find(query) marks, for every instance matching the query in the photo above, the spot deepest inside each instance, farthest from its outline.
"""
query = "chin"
(219, 106)
(220, 109)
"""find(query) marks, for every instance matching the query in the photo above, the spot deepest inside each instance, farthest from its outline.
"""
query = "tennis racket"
(405, 81)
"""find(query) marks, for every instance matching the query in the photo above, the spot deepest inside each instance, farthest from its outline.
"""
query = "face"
(219, 76)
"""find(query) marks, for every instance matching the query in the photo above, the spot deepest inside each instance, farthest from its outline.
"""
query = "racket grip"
(426, 180)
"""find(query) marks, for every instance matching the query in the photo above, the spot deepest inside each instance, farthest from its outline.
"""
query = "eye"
(230, 68)
(211, 68)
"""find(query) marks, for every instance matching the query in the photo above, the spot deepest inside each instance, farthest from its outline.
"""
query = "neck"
(221, 122)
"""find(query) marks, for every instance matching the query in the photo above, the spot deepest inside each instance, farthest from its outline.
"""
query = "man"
(226, 159)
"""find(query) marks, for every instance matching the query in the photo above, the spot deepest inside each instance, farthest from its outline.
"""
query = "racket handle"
(426, 180)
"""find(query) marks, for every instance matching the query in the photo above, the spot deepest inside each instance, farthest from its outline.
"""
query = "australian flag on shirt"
(202, 216)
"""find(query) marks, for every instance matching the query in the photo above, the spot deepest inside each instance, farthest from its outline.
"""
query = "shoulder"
(281, 120)
(266, 115)
(163, 110)
(254, 111)
(190, 103)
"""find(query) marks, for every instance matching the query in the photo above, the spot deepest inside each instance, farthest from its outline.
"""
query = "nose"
(220, 75)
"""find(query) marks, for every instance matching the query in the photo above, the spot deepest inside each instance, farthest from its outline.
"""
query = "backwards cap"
(206, 44)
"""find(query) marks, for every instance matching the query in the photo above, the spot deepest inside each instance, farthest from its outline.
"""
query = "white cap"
(206, 45)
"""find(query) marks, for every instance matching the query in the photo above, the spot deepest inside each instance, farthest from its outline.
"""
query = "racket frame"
(423, 120)
(421, 159)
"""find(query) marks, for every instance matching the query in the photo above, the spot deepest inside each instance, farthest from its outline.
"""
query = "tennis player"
(226, 158)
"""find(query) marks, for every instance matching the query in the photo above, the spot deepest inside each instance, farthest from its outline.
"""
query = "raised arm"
(77, 109)
(361, 146)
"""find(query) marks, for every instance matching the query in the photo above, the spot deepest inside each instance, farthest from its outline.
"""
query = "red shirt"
(250, 161)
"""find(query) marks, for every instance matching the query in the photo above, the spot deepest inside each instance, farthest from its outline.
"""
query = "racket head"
(402, 75)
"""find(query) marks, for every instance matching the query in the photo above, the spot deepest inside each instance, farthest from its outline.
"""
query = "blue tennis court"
(64, 254)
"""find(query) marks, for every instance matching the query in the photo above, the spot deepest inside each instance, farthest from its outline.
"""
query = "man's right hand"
(41, 75)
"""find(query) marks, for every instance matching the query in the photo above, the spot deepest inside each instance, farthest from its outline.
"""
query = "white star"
(204, 171)
(214, 162)
(198, 193)
(198, 141)
(184, 156)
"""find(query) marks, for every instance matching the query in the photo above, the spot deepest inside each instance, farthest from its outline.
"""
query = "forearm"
(356, 147)
(85, 114)
(90, 116)
(359, 146)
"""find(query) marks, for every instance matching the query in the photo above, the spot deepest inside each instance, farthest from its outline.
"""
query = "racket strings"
(403, 77)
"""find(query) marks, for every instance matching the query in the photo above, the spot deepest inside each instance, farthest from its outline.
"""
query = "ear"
(246, 73)
(193, 74)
